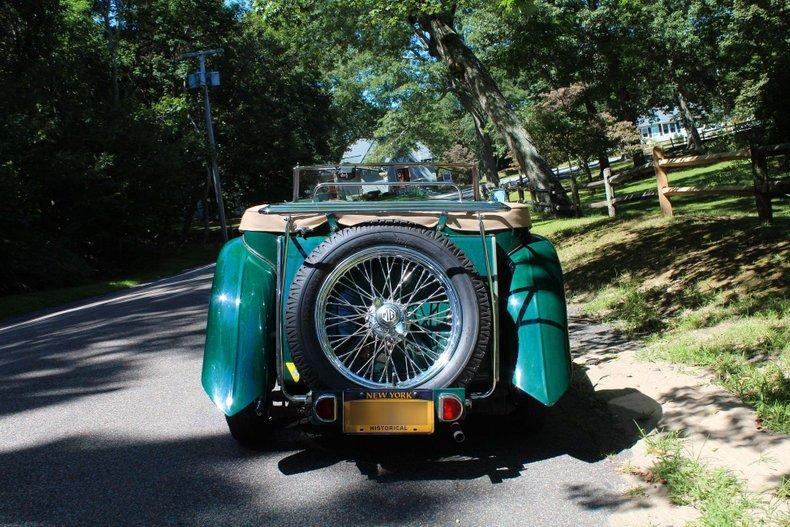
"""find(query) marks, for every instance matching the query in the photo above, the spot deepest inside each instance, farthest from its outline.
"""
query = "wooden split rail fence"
(763, 187)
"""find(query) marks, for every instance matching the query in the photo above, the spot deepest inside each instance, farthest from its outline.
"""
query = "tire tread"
(339, 237)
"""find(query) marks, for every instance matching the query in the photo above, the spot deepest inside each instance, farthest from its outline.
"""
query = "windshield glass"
(385, 182)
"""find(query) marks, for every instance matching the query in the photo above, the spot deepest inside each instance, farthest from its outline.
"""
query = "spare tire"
(387, 305)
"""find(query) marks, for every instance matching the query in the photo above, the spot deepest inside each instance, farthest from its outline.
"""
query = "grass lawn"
(708, 287)
(720, 495)
(623, 164)
(185, 258)
(726, 173)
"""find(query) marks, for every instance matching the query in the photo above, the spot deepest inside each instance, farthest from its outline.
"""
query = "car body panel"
(299, 248)
(471, 246)
(240, 324)
(240, 336)
(536, 307)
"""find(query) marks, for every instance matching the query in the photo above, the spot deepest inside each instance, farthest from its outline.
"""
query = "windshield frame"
(476, 196)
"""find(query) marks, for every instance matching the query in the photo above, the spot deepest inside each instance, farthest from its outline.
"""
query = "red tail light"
(326, 408)
(450, 407)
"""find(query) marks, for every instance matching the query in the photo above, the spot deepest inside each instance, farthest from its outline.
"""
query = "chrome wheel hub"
(388, 317)
(388, 320)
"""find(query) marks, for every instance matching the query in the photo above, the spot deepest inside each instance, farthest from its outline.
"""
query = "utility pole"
(200, 79)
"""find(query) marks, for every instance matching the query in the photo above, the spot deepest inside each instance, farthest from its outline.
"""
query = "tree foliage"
(102, 151)
(568, 132)
(755, 69)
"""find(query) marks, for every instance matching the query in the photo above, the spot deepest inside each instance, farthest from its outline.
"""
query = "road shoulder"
(718, 429)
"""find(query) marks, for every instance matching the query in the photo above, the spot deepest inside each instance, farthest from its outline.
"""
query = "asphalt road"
(103, 421)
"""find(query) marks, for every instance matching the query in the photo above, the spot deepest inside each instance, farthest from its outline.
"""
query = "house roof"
(356, 151)
(359, 149)
(658, 116)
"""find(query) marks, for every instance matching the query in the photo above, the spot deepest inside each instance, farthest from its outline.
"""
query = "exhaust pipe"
(457, 433)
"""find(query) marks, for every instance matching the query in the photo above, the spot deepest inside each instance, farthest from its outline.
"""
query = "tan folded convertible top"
(515, 218)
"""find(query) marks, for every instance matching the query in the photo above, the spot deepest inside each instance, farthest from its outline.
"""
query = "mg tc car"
(386, 299)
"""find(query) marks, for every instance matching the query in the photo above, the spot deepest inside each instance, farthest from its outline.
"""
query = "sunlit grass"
(725, 173)
(783, 492)
(707, 287)
(549, 227)
(749, 356)
(719, 495)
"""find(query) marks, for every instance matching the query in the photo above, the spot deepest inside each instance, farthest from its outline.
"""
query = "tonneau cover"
(515, 218)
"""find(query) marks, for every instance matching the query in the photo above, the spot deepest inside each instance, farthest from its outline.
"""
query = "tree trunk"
(603, 162)
(448, 46)
(694, 140)
(603, 157)
(487, 160)
(576, 200)
(588, 173)
(189, 217)
(586, 166)
(191, 207)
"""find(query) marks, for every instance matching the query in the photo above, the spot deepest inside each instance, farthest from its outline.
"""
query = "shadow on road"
(99, 346)
(203, 480)
(90, 480)
(162, 474)
(596, 344)
(580, 425)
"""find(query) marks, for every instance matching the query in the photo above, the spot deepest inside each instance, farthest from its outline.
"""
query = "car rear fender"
(239, 343)
(536, 307)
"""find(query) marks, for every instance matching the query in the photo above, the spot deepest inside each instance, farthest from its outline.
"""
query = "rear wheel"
(529, 414)
(251, 427)
(387, 306)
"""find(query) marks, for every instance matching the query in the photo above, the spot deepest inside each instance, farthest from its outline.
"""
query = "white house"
(358, 152)
(660, 126)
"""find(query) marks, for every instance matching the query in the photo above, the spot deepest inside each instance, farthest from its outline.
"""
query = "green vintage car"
(386, 299)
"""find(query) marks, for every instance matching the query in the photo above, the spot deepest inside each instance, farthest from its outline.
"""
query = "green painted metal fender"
(240, 325)
(536, 307)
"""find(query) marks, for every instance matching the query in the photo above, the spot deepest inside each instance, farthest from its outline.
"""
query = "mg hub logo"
(388, 314)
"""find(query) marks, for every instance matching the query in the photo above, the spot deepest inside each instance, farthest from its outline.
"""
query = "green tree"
(102, 157)
(755, 63)
(684, 35)
(568, 132)
(598, 44)
(387, 31)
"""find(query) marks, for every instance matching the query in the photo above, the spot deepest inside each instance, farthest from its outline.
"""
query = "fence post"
(661, 181)
(607, 187)
(760, 172)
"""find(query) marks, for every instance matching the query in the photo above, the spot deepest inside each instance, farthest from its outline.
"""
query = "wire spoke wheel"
(387, 306)
(388, 317)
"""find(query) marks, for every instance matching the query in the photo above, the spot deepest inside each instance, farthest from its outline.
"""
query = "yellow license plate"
(388, 416)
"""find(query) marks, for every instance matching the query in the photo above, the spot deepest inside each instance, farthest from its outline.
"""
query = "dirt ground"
(719, 428)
